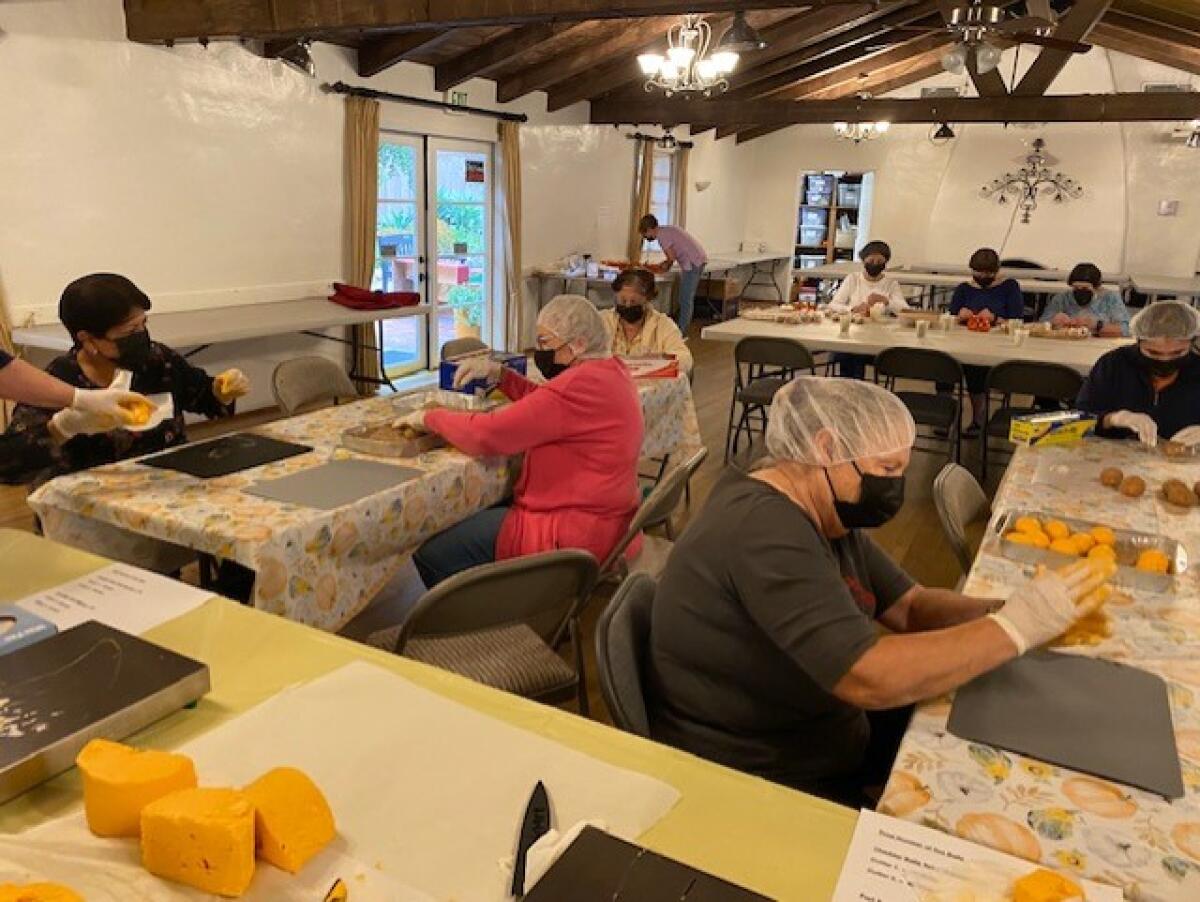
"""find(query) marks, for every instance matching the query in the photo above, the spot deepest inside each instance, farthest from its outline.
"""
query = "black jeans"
(851, 790)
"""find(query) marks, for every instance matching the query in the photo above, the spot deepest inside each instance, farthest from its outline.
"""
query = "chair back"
(622, 643)
(658, 505)
(960, 501)
(543, 591)
(783, 356)
(924, 364)
(302, 381)
(1046, 380)
(456, 347)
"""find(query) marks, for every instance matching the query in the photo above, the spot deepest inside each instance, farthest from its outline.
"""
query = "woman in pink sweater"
(580, 432)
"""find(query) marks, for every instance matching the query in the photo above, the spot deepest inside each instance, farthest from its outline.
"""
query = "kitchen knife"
(534, 826)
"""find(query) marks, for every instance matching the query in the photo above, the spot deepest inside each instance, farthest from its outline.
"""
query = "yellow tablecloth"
(317, 567)
(1109, 833)
(781, 843)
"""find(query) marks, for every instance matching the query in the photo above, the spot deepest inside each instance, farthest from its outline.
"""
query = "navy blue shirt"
(1118, 382)
(1004, 299)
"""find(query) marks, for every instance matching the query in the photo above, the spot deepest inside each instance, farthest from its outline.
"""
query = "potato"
(1111, 477)
(1133, 487)
(1176, 492)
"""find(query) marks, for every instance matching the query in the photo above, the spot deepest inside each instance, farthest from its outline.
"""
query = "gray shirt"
(756, 618)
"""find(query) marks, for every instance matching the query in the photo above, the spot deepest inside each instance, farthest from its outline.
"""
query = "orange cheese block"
(1046, 886)
(119, 781)
(292, 820)
(37, 892)
(201, 837)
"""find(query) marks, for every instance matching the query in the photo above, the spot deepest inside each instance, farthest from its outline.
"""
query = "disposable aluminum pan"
(1128, 546)
(357, 439)
(450, 400)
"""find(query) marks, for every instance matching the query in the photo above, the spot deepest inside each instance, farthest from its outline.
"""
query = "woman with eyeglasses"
(581, 436)
(1150, 389)
(638, 330)
(1087, 304)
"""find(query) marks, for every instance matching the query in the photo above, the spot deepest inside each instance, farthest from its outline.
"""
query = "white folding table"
(1156, 287)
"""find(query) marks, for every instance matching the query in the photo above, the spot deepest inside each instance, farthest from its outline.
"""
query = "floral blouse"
(28, 453)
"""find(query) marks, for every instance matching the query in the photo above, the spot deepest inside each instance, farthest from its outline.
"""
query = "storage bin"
(812, 237)
(811, 216)
(849, 195)
(810, 261)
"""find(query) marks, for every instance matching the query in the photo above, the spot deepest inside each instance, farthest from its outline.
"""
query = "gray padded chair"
(302, 381)
(622, 642)
(960, 502)
(494, 624)
(456, 347)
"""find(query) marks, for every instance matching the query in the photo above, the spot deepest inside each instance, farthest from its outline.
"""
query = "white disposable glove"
(416, 420)
(1189, 435)
(1045, 607)
(231, 385)
(109, 402)
(481, 366)
(70, 422)
(1143, 427)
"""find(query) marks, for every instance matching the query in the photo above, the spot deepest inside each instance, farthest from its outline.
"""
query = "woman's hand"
(987, 316)
(112, 403)
(481, 366)
(965, 314)
(230, 385)
(1044, 608)
(414, 420)
(1141, 425)
(1060, 320)
(1187, 436)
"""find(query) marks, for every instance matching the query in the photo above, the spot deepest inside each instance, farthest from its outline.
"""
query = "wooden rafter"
(1076, 25)
(857, 75)
(1157, 43)
(495, 53)
(380, 53)
(1136, 107)
(1159, 14)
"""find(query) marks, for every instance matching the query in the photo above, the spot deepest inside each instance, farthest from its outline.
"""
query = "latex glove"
(1187, 436)
(70, 422)
(1144, 427)
(414, 420)
(1039, 611)
(230, 385)
(481, 366)
(113, 403)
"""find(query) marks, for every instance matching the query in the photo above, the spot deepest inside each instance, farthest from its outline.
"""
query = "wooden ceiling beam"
(1133, 107)
(1157, 43)
(158, 21)
(1157, 14)
(382, 53)
(495, 53)
(1076, 25)
(858, 74)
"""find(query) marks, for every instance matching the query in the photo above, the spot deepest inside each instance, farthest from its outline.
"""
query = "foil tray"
(356, 439)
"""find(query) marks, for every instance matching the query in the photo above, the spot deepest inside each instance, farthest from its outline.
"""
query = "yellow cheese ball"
(1103, 535)
(37, 892)
(1046, 886)
(1102, 553)
(1056, 529)
(1033, 539)
(1153, 561)
(1065, 546)
(1028, 524)
(1083, 542)
(139, 411)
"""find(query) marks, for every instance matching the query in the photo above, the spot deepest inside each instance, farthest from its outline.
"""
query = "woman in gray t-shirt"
(766, 652)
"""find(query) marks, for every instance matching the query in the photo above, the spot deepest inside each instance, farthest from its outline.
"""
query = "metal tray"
(356, 439)
(450, 400)
(1178, 453)
(1128, 546)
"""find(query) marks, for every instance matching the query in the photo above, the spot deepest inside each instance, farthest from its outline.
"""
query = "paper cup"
(1018, 336)
(844, 325)
(922, 328)
(946, 321)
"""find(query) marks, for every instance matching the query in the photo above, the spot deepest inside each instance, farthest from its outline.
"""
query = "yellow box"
(1065, 427)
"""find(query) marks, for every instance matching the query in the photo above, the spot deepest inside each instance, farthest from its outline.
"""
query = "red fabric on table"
(364, 299)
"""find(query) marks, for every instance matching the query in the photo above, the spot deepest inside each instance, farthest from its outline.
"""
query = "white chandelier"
(687, 68)
(860, 131)
(1033, 180)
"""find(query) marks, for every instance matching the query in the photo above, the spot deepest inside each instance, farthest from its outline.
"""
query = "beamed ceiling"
(577, 50)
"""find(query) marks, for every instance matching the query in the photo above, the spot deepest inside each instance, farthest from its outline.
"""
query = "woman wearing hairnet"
(765, 648)
(1151, 388)
(581, 433)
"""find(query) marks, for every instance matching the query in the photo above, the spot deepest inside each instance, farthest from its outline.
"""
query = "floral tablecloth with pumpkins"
(315, 566)
(1077, 823)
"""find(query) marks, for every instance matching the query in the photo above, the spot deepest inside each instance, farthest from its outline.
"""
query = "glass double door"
(434, 236)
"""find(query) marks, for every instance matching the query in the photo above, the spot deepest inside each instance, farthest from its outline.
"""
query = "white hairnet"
(863, 419)
(1166, 319)
(576, 321)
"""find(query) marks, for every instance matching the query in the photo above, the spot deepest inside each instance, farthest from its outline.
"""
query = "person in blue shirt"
(1150, 389)
(1086, 304)
(996, 300)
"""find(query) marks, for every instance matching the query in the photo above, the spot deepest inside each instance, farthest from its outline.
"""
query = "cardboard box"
(449, 367)
(1066, 427)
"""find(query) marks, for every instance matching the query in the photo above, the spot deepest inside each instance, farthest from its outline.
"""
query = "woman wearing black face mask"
(1087, 304)
(638, 330)
(1151, 389)
(861, 293)
(765, 648)
(105, 314)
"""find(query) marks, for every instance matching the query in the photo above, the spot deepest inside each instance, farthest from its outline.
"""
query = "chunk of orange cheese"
(1046, 886)
(292, 819)
(37, 892)
(119, 781)
(201, 837)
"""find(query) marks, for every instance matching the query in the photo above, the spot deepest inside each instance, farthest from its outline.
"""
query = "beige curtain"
(643, 178)
(7, 345)
(362, 192)
(681, 185)
(517, 318)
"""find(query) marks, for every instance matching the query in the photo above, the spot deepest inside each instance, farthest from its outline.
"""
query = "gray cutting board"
(1091, 715)
(334, 484)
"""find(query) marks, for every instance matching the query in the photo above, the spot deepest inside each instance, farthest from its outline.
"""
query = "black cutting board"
(86, 682)
(1098, 717)
(225, 455)
(598, 867)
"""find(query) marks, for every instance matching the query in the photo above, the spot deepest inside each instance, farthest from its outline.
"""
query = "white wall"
(927, 201)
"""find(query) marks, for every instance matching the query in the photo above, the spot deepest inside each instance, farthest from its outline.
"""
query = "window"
(662, 187)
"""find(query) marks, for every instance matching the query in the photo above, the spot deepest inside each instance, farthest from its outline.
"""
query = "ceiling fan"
(979, 26)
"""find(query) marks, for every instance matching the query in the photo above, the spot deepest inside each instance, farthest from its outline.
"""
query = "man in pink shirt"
(580, 432)
(679, 247)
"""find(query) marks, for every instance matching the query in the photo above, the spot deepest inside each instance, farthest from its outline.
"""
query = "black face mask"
(544, 358)
(874, 270)
(1162, 368)
(634, 313)
(133, 350)
(1083, 296)
(882, 498)
(984, 281)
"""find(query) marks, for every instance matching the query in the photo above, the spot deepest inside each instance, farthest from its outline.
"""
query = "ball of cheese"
(292, 819)
(1083, 542)
(1153, 561)
(1103, 535)
(1102, 553)
(37, 892)
(1028, 524)
(119, 781)
(1065, 546)
(1046, 886)
(1056, 529)
(202, 838)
